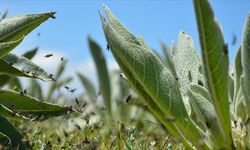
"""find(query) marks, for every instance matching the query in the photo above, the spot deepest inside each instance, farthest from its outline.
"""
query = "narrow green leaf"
(237, 74)
(35, 89)
(206, 109)
(230, 88)
(4, 79)
(216, 61)
(31, 53)
(102, 72)
(245, 60)
(26, 105)
(88, 85)
(245, 91)
(4, 111)
(157, 81)
(15, 137)
(6, 47)
(21, 66)
(14, 28)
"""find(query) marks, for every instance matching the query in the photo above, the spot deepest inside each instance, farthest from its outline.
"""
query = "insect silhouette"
(128, 98)
(225, 48)
(48, 55)
(234, 39)
(107, 47)
(52, 16)
(77, 102)
(189, 76)
(62, 58)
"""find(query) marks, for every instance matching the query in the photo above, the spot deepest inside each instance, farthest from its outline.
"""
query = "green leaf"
(245, 59)
(230, 88)
(31, 53)
(21, 66)
(4, 79)
(169, 57)
(102, 72)
(149, 73)
(186, 62)
(14, 28)
(26, 105)
(4, 111)
(216, 61)
(4, 139)
(6, 47)
(88, 85)
(206, 109)
(15, 137)
(201, 91)
(35, 89)
(245, 91)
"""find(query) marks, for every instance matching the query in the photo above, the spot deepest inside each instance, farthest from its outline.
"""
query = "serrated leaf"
(153, 76)
(6, 47)
(15, 137)
(30, 53)
(215, 61)
(26, 105)
(21, 66)
(102, 72)
(14, 28)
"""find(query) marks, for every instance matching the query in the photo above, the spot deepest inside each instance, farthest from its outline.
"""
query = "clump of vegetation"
(179, 100)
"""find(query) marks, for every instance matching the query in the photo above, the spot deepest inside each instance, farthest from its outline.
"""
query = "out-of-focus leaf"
(16, 138)
(21, 66)
(15, 84)
(230, 88)
(4, 139)
(5, 14)
(153, 77)
(88, 85)
(14, 28)
(169, 57)
(102, 72)
(26, 105)
(31, 53)
(216, 61)
(245, 91)
(201, 91)
(35, 89)
(6, 47)
(245, 59)
(4, 79)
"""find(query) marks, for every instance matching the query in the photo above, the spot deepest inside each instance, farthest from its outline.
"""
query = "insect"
(234, 39)
(78, 127)
(176, 77)
(24, 91)
(189, 76)
(225, 48)
(107, 47)
(52, 16)
(38, 34)
(48, 55)
(84, 105)
(77, 102)
(62, 58)
(72, 90)
(128, 98)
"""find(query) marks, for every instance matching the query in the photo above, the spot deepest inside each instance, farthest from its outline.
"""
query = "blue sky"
(156, 21)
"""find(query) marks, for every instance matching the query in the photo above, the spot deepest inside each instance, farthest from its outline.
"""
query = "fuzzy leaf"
(14, 28)
(186, 62)
(6, 47)
(26, 105)
(169, 58)
(21, 66)
(157, 81)
(216, 61)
